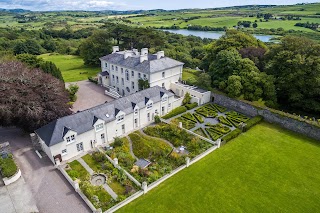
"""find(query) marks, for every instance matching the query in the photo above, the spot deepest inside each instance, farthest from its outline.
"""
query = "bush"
(8, 167)
(117, 142)
(191, 106)
(235, 133)
(73, 89)
(157, 119)
(187, 98)
(174, 112)
(93, 80)
(99, 157)
(252, 122)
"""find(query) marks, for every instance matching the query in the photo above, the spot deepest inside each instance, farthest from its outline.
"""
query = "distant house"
(121, 70)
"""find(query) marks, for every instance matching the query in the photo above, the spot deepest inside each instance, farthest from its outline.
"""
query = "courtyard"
(89, 95)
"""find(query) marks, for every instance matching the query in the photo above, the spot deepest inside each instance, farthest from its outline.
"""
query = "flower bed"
(186, 123)
(178, 137)
(200, 132)
(198, 117)
(189, 116)
(96, 194)
(218, 107)
(207, 111)
(116, 178)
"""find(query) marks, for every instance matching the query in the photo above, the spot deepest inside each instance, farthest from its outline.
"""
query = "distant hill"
(14, 10)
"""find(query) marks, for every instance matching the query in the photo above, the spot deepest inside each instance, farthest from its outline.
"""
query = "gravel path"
(86, 166)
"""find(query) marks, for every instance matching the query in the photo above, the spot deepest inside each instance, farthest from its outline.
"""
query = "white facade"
(103, 133)
(124, 74)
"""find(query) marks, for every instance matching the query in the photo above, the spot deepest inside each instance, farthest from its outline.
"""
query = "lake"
(215, 34)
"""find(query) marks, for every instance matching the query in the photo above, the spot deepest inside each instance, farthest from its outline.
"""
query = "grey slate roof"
(81, 122)
(152, 65)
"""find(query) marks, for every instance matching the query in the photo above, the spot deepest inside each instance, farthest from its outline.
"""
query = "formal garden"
(162, 146)
(102, 183)
(210, 121)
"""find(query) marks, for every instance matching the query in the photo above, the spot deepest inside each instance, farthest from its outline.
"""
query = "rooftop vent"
(115, 49)
(107, 115)
(144, 51)
(160, 54)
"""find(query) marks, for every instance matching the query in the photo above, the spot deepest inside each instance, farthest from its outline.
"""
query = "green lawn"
(266, 169)
(71, 67)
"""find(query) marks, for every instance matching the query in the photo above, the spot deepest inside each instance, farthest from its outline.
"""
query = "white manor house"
(83, 131)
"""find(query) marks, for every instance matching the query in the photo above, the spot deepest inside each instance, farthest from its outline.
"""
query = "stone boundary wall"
(13, 178)
(271, 117)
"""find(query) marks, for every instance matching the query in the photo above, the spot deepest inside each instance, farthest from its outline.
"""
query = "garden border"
(13, 178)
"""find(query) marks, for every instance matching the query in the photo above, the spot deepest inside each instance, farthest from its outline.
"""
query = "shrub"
(99, 157)
(157, 119)
(174, 112)
(252, 122)
(198, 117)
(93, 80)
(8, 167)
(191, 106)
(231, 135)
(187, 98)
(117, 142)
(73, 89)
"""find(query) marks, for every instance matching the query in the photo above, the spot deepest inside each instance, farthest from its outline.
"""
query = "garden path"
(131, 149)
(164, 140)
(110, 191)
(86, 166)
(91, 172)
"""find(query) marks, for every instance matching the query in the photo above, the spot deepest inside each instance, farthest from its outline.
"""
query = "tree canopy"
(29, 97)
(295, 64)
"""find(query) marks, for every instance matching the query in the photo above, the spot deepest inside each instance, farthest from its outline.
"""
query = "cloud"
(46, 5)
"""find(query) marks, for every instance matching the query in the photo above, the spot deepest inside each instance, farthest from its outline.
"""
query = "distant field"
(266, 169)
(71, 67)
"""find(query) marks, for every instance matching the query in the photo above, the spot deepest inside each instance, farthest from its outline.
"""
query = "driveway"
(89, 95)
(51, 192)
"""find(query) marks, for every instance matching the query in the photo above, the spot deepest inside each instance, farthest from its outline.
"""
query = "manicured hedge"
(8, 167)
(252, 122)
(174, 112)
(191, 106)
(231, 135)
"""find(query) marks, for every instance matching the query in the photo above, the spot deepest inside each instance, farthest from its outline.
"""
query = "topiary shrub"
(191, 106)
(157, 119)
(235, 133)
(174, 112)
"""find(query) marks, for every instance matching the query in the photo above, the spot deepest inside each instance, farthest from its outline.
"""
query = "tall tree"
(295, 63)
(29, 97)
(96, 46)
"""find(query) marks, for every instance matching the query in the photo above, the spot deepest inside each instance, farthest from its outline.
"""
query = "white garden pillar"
(116, 162)
(180, 124)
(76, 186)
(188, 161)
(145, 187)
(98, 211)
(219, 143)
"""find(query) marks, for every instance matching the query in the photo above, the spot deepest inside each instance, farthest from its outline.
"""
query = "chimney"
(143, 58)
(115, 49)
(135, 51)
(144, 51)
(160, 54)
(126, 54)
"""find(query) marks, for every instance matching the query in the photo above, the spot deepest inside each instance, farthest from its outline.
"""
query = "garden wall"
(285, 122)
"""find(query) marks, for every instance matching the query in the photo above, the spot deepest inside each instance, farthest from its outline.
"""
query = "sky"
(47, 5)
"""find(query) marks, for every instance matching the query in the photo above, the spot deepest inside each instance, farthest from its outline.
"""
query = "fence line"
(125, 202)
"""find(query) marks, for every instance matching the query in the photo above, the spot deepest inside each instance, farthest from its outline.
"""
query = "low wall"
(125, 202)
(13, 178)
(284, 121)
(67, 177)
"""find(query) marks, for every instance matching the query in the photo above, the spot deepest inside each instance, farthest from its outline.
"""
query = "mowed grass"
(72, 67)
(267, 169)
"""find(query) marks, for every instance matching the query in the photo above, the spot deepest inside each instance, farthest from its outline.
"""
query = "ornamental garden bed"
(8, 166)
(116, 178)
(97, 195)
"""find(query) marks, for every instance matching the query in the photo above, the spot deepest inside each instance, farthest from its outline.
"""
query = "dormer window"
(120, 118)
(163, 74)
(144, 76)
(106, 64)
(164, 99)
(132, 73)
(136, 112)
(99, 127)
(71, 139)
(149, 106)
